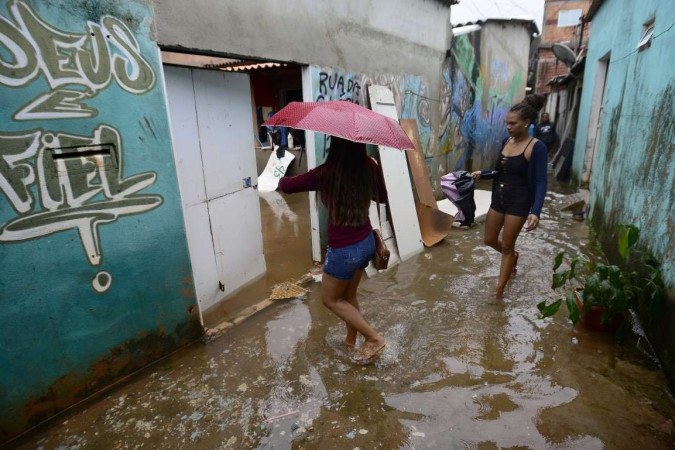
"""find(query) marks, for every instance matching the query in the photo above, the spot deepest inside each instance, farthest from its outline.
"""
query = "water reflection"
(461, 370)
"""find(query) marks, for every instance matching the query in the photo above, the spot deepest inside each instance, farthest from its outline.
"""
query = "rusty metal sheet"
(425, 193)
(434, 224)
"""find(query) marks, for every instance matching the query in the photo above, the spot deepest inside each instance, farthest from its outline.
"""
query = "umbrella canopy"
(343, 119)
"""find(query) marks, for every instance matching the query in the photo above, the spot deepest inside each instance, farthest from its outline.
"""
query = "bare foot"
(369, 350)
(499, 294)
(349, 344)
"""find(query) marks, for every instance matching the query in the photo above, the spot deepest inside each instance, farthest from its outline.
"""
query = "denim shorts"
(342, 263)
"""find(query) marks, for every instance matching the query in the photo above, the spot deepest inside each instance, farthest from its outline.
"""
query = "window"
(646, 38)
(569, 18)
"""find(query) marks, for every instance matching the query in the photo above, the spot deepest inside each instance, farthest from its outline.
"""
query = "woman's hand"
(476, 175)
(532, 222)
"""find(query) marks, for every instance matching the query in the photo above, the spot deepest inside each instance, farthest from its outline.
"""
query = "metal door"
(211, 126)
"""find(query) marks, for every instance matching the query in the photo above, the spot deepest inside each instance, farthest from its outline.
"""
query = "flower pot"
(592, 319)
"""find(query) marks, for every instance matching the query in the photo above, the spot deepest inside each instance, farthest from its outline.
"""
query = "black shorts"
(513, 200)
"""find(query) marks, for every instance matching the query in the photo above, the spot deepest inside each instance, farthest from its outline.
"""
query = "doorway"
(241, 242)
(595, 120)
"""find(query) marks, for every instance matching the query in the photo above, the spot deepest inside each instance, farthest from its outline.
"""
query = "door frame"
(595, 119)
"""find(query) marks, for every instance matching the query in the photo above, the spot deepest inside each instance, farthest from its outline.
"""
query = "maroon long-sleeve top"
(338, 236)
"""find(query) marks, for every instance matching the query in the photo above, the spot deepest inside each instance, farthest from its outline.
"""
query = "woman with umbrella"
(346, 183)
(519, 186)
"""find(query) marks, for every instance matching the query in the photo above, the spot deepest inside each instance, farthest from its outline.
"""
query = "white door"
(211, 124)
(595, 120)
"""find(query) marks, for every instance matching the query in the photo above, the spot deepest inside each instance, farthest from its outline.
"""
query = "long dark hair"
(347, 182)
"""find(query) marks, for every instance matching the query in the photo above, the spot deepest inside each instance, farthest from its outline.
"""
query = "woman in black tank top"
(513, 191)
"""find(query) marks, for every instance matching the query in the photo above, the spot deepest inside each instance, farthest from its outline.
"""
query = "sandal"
(363, 356)
(515, 264)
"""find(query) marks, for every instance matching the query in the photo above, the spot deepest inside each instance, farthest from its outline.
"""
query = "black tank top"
(513, 169)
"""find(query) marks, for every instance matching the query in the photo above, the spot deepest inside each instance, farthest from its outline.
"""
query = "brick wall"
(548, 65)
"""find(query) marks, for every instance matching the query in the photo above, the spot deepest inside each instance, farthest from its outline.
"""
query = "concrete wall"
(632, 180)
(89, 206)
(375, 38)
(485, 75)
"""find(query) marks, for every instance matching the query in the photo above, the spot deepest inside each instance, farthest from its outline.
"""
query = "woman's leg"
(512, 227)
(350, 296)
(333, 295)
(493, 225)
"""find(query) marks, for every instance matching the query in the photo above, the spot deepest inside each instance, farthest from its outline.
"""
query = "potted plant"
(601, 294)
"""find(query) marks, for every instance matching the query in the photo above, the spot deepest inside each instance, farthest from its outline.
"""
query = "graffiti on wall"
(334, 85)
(76, 66)
(410, 96)
(55, 180)
(474, 105)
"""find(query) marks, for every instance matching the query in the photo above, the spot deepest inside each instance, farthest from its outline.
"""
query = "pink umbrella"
(343, 119)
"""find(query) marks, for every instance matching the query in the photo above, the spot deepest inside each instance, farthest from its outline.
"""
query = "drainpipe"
(581, 36)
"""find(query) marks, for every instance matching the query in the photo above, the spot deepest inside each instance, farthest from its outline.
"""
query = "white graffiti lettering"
(77, 181)
(89, 61)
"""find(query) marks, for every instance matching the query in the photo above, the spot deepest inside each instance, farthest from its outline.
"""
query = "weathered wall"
(548, 66)
(410, 95)
(89, 206)
(633, 180)
(375, 37)
(485, 75)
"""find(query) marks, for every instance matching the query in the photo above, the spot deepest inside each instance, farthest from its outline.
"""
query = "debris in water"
(418, 302)
(242, 387)
(418, 434)
(575, 341)
(351, 434)
(362, 431)
(290, 413)
(287, 290)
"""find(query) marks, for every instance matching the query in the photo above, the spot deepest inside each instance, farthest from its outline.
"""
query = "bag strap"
(377, 195)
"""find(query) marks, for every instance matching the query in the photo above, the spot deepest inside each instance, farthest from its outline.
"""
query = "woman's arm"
(538, 167)
(308, 181)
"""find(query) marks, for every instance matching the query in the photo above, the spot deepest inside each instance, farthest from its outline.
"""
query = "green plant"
(637, 284)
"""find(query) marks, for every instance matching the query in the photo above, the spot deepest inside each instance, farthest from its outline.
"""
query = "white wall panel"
(237, 237)
(204, 271)
(223, 102)
(397, 180)
(180, 93)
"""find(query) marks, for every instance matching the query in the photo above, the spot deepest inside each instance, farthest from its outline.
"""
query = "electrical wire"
(638, 49)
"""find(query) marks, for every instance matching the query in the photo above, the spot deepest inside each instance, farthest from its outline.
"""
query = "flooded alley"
(460, 370)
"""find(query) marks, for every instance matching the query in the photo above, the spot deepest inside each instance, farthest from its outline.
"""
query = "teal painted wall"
(96, 278)
(633, 176)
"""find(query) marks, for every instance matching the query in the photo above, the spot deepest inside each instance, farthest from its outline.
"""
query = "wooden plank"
(420, 174)
(396, 178)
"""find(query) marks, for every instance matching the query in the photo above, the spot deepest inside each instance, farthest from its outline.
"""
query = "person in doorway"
(346, 183)
(545, 132)
(518, 189)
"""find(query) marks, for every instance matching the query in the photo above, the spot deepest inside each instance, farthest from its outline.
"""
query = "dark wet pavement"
(460, 370)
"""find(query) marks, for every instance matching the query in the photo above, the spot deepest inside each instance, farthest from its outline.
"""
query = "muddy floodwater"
(460, 370)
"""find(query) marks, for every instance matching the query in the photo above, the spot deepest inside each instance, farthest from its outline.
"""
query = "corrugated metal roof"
(245, 66)
(532, 25)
